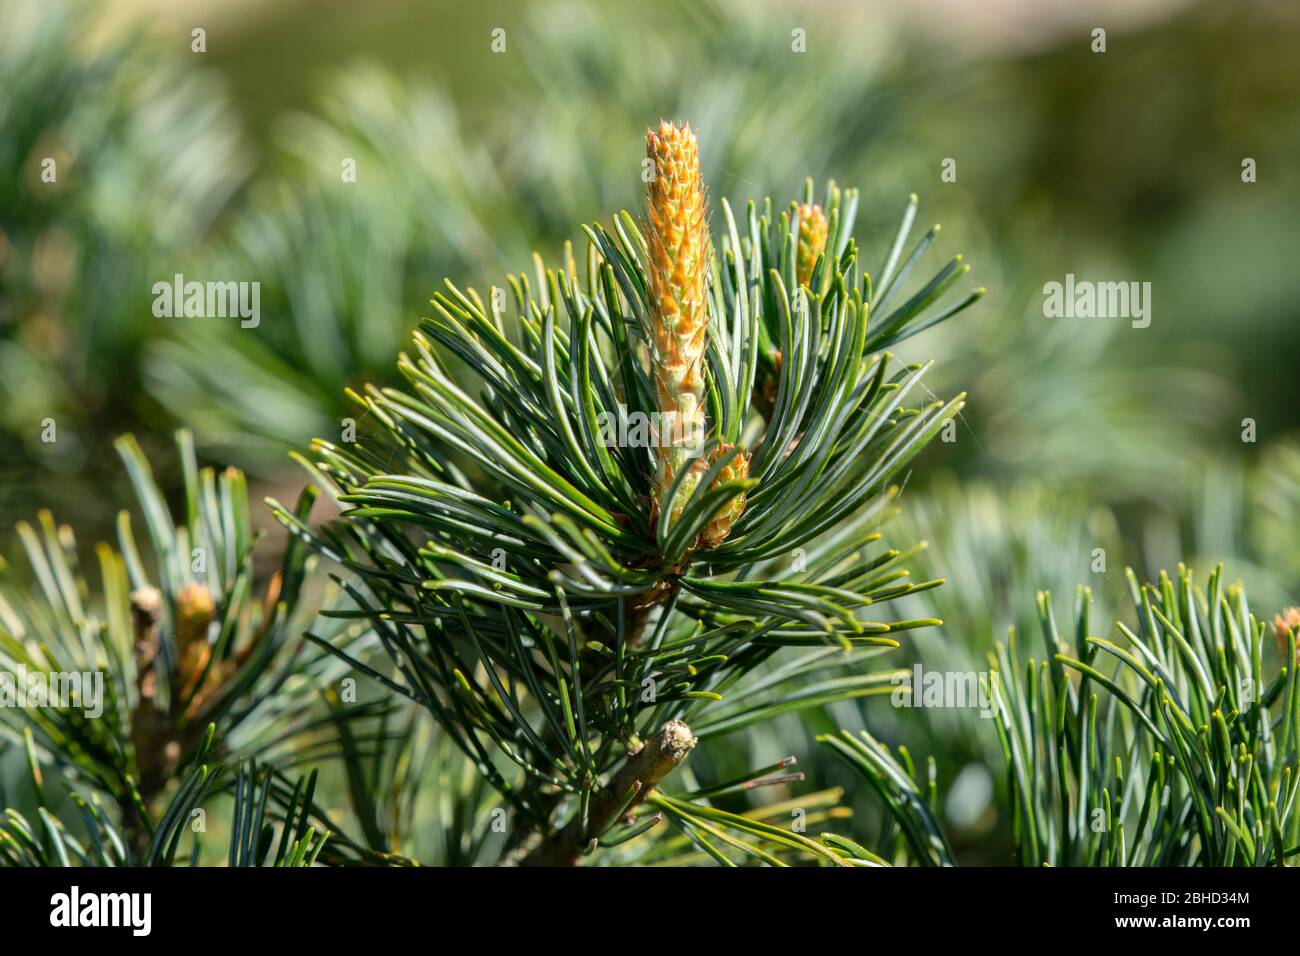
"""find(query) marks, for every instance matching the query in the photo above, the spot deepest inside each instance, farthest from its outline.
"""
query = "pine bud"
(194, 609)
(812, 241)
(1283, 624)
(677, 240)
(716, 531)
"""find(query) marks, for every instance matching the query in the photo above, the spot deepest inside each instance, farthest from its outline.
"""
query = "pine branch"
(172, 639)
(640, 774)
(1175, 746)
(553, 587)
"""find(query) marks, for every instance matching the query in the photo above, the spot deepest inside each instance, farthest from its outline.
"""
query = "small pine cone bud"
(194, 609)
(716, 531)
(1283, 624)
(812, 241)
(677, 241)
(675, 742)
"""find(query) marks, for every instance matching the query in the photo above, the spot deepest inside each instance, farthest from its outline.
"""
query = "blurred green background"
(1079, 434)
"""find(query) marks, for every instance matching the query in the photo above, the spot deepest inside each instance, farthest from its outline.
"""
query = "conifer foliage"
(587, 552)
(621, 511)
(172, 667)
